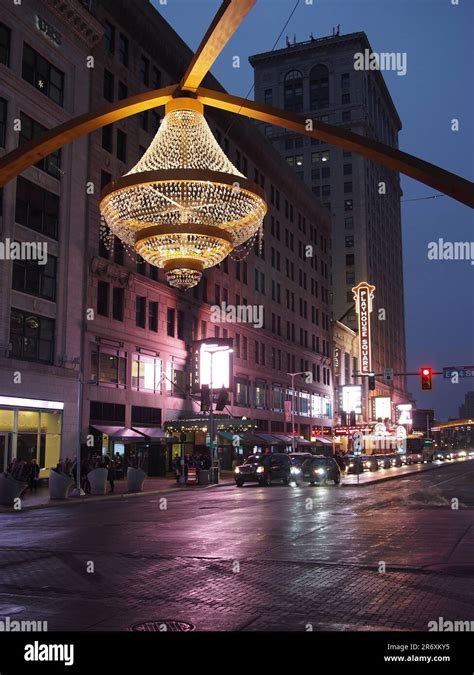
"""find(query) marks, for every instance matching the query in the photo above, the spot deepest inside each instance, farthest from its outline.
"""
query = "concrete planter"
(98, 480)
(135, 479)
(10, 489)
(60, 485)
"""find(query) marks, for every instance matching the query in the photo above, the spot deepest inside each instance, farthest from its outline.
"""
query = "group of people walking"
(197, 461)
(28, 472)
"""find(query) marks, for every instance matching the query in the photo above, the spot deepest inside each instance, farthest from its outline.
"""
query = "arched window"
(293, 92)
(319, 87)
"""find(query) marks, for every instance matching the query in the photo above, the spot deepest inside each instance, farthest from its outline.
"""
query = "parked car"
(320, 469)
(396, 459)
(414, 458)
(370, 463)
(263, 469)
(354, 463)
(297, 459)
(383, 461)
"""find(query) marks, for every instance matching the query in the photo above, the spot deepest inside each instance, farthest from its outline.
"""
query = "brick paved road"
(249, 559)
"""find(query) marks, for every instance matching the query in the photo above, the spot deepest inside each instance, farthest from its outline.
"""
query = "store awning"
(151, 432)
(269, 439)
(324, 440)
(117, 432)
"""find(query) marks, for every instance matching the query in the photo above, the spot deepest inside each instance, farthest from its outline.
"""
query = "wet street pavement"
(393, 555)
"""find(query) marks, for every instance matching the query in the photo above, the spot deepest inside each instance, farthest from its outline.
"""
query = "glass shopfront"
(27, 433)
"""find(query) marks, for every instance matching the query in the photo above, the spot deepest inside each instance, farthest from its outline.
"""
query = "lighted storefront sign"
(404, 413)
(48, 30)
(363, 296)
(351, 399)
(336, 361)
(212, 360)
(382, 407)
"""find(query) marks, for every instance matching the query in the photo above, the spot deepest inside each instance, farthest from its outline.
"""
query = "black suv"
(320, 469)
(263, 469)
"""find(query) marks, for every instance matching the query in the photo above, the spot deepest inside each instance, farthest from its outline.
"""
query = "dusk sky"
(437, 38)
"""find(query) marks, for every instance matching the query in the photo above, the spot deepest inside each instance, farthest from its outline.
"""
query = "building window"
(123, 49)
(325, 190)
(347, 169)
(155, 123)
(349, 223)
(348, 205)
(143, 117)
(350, 260)
(37, 208)
(346, 115)
(109, 37)
(268, 96)
(5, 36)
(118, 251)
(31, 337)
(153, 316)
(319, 87)
(107, 137)
(3, 122)
(348, 187)
(117, 303)
(345, 99)
(350, 277)
(170, 321)
(108, 86)
(140, 311)
(145, 70)
(349, 241)
(293, 91)
(30, 277)
(108, 366)
(122, 91)
(180, 325)
(241, 392)
(322, 156)
(156, 78)
(29, 130)
(43, 75)
(121, 145)
(345, 81)
(147, 373)
(103, 298)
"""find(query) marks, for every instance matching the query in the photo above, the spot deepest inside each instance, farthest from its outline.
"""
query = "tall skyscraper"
(317, 78)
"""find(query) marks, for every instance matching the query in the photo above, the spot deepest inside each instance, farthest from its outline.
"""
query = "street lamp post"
(293, 439)
(213, 349)
(78, 492)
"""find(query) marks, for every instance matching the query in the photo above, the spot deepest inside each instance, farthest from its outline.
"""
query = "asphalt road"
(390, 556)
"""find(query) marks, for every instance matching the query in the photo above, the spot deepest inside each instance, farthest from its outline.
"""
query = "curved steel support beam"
(225, 23)
(449, 183)
(30, 153)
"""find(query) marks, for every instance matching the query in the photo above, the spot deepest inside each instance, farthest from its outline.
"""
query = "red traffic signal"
(426, 376)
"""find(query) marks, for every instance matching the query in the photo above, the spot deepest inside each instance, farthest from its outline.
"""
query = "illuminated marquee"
(222, 364)
(363, 296)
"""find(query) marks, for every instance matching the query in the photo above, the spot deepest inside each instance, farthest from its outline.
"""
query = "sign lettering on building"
(48, 30)
(363, 296)
(337, 356)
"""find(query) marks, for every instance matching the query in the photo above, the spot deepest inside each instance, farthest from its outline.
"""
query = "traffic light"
(222, 399)
(371, 382)
(205, 398)
(426, 375)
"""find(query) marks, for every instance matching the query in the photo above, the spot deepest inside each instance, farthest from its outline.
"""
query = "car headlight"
(351, 465)
(260, 469)
(295, 470)
(237, 469)
(319, 472)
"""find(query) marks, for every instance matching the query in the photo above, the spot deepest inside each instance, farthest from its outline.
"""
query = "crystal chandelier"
(184, 206)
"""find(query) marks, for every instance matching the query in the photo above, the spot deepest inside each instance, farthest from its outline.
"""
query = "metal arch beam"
(30, 153)
(225, 23)
(449, 183)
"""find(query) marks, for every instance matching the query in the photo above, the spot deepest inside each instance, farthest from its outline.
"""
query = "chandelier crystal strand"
(184, 206)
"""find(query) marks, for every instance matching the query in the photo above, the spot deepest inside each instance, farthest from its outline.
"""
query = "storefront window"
(304, 403)
(316, 405)
(6, 421)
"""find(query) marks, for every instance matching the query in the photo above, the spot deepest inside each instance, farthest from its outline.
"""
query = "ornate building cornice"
(78, 19)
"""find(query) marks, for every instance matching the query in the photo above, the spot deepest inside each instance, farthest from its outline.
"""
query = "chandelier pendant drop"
(184, 206)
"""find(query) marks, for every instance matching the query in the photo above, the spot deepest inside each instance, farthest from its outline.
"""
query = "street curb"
(401, 475)
(73, 501)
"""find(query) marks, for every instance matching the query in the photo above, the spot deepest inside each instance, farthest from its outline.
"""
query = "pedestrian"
(111, 474)
(177, 467)
(34, 475)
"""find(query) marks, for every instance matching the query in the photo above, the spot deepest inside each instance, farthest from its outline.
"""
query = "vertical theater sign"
(363, 296)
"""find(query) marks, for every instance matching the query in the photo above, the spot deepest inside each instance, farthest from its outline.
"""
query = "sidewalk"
(151, 486)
